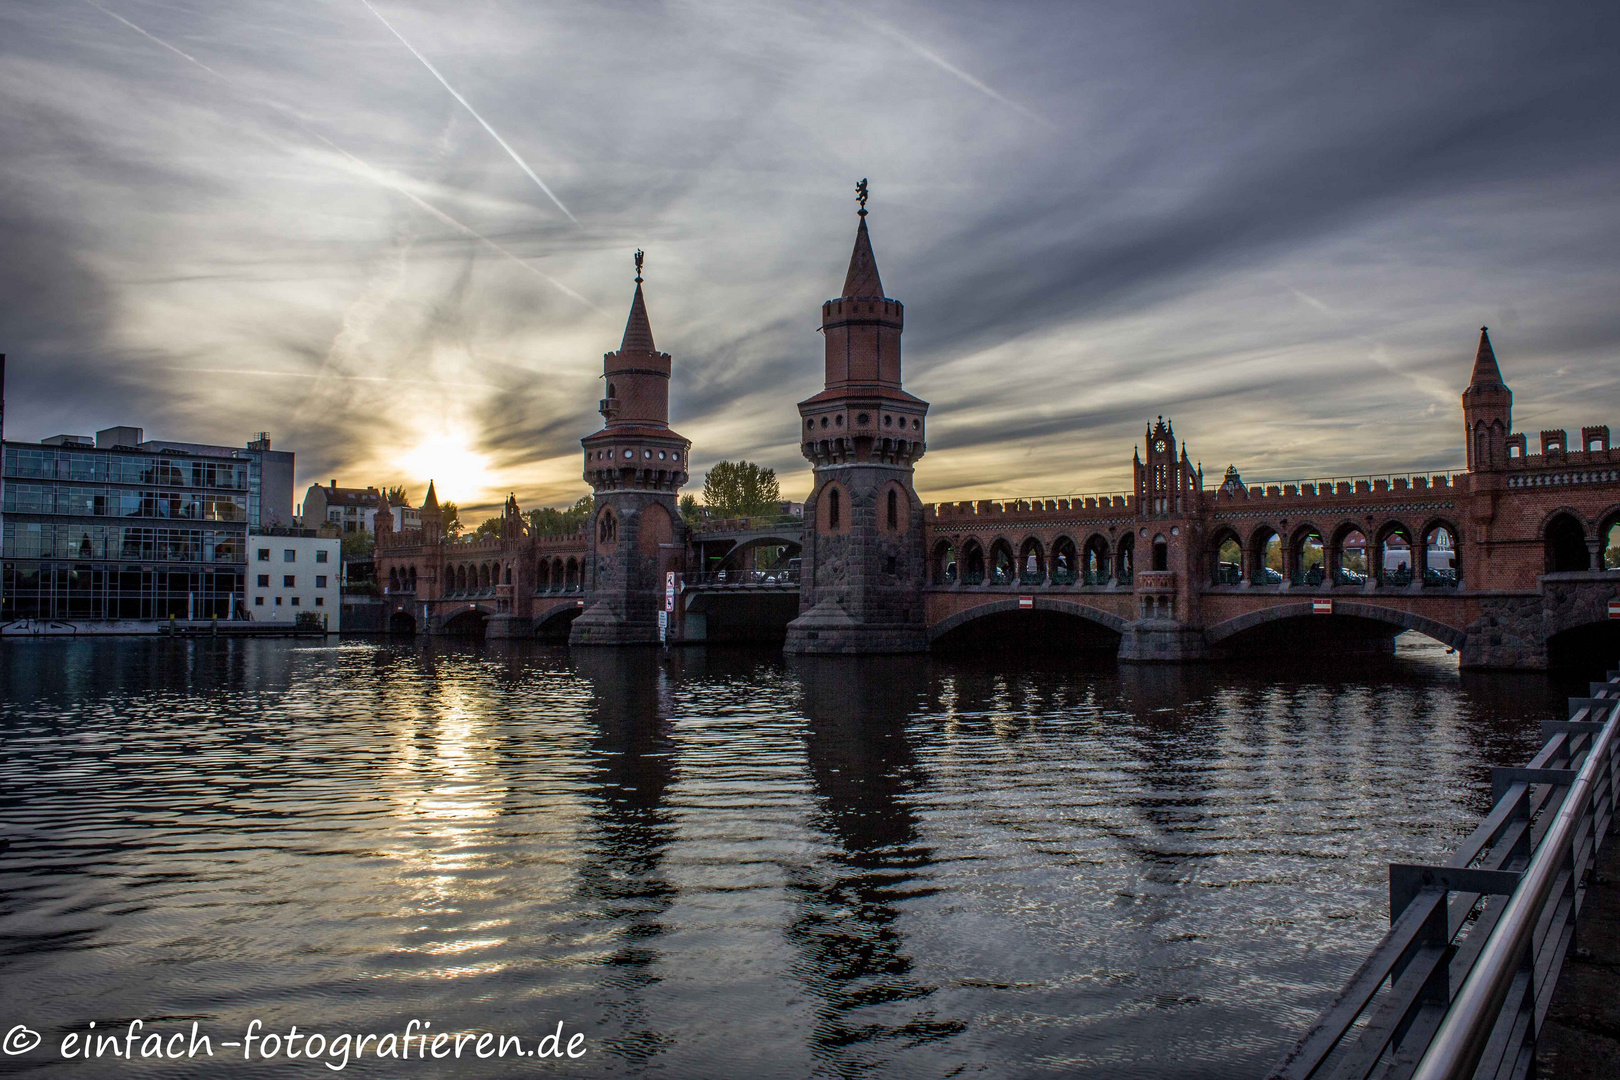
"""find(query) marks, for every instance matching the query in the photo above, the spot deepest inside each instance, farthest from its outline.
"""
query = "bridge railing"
(1460, 984)
(745, 524)
(743, 579)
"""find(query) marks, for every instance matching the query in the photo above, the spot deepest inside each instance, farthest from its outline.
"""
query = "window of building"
(264, 581)
(320, 601)
(320, 581)
(278, 601)
(258, 601)
(289, 554)
(264, 554)
(289, 581)
(295, 601)
(320, 556)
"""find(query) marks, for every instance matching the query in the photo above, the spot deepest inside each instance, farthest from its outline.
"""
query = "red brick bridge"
(1505, 562)
(1512, 561)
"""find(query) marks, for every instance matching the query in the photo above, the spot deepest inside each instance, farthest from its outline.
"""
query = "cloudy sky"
(1280, 225)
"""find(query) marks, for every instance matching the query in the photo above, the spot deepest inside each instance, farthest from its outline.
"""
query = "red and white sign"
(1614, 609)
(1026, 602)
(669, 590)
(1321, 607)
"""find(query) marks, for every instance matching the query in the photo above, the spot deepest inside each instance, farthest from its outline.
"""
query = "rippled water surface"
(718, 864)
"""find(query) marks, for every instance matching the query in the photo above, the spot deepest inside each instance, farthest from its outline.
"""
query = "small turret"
(1487, 411)
(432, 516)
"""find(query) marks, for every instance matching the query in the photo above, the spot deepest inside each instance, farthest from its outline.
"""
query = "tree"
(488, 527)
(397, 495)
(549, 521)
(691, 512)
(741, 489)
(452, 518)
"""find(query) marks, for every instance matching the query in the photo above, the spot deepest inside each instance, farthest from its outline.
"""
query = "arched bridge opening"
(1590, 648)
(1306, 632)
(744, 616)
(401, 622)
(1044, 626)
(552, 626)
(467, 623)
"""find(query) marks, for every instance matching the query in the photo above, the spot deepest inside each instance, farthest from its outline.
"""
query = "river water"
(719, 863)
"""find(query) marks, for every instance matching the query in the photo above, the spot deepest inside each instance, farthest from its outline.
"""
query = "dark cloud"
(1280, 223)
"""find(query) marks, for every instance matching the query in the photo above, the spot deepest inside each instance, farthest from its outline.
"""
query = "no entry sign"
(1026, 602)
(1614, 609)
(1321, 607)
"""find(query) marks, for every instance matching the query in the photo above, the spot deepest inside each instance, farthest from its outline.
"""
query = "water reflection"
(720, 862)
(849, 901)
(622, 880)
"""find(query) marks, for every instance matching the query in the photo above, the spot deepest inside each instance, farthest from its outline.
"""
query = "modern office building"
(293, 572)
(120, 528)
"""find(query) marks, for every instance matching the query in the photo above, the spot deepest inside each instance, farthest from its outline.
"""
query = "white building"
(288, 576)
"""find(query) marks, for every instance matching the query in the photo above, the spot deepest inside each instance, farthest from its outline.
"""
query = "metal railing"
(1497, 921)
(743, 579)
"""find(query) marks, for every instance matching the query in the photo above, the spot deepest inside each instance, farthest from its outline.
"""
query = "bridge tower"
(1168, 569)
(1487, 411)
(636, 466)
(862, 571)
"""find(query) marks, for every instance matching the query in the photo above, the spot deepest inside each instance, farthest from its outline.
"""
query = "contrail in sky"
(524, 165)
(946, 66)
(365, 168)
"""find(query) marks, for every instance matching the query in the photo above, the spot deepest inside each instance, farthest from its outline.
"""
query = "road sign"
(669, 590)
(1026, 602)
(663, 626)
(1614, 609)
(1321, 607)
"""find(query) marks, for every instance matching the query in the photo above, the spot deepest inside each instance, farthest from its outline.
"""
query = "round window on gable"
(809, 423)
(862, 419)
(916, 425)
(660, 455)
(629, 453)
(823, 421)
(647, 454)
(840, 420)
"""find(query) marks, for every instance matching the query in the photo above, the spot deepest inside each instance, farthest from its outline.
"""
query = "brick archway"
(1105, 619)
(1406, 620)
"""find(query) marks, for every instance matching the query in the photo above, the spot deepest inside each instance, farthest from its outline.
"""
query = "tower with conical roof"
(1487, 411)
(636, 466)
(861, 585)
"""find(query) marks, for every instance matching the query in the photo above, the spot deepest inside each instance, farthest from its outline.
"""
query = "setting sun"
(458, 472)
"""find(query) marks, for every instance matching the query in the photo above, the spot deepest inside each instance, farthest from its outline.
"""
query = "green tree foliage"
(691, 512)
(452, 518)
(488, 527)
(358, 545)
(741, 489)
(550, 521)
(397, 495)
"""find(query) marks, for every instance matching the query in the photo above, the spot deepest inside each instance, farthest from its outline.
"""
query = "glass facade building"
(124, 532)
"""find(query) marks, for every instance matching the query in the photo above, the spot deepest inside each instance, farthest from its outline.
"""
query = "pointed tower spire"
(1485, 369)
(637, 330)
(432, 500)
(862, 279)
(1487, 410)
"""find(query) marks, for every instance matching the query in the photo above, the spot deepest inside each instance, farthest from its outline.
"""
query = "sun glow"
(459, 473)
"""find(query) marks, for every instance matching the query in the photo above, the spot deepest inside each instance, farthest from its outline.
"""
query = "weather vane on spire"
(640, 258)
(860, 196)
